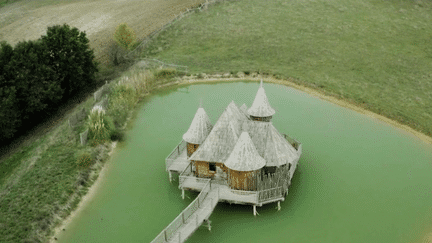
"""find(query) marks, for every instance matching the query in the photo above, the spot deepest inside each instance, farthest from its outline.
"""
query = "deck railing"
(292, 141)
(269, 194)
(175, 154)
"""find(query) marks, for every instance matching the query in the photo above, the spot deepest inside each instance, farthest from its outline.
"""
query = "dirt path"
(28, 20)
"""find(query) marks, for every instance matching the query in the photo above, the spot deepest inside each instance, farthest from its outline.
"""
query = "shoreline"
(86, 198)
(423, 137)
(101, 174)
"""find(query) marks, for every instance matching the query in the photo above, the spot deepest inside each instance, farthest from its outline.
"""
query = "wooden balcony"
(177, 160)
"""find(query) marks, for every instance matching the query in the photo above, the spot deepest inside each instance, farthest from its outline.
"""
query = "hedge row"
(36, 76)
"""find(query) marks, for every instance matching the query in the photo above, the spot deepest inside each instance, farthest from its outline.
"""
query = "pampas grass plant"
(100, 126)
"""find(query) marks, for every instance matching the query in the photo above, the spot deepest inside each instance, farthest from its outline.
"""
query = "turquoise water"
(358, 180)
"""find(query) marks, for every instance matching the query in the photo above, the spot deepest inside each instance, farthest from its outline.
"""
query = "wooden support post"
(178, 149)
(183, 218)
(197, 220)
(254, 210)
(179, 236)
(166, 238)
(209, 224)
(170, 176)
(279, 206)
(183, 194)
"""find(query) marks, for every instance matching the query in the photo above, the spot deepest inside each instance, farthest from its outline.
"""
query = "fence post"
(166, 238)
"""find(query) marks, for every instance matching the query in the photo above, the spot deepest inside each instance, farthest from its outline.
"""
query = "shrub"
(85, 159)
(117, 54)
(165, 73)
(142, 81)
(121, 100)
(117, 135)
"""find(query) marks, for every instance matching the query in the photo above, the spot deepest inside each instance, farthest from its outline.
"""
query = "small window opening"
(270, 170)
(212, 166)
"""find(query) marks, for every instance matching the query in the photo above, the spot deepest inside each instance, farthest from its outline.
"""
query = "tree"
(37, 84)
(68, 53)
(9, 113)
(125, 38)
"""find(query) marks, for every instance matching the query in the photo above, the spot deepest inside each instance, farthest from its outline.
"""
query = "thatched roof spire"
(244, 156)
(261, 106)
(199, 128)
(219, 143)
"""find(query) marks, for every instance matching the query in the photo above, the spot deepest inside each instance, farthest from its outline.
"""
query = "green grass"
(6, 2)
(376, 54)
(42, 183)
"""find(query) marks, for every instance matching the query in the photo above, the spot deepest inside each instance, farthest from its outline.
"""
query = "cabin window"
(212, 166)
(195, 146)
(270, 170)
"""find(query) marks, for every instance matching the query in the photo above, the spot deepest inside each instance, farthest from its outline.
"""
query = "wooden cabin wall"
(278, 179)
(203, 170)
(243, 180)
(191, 148)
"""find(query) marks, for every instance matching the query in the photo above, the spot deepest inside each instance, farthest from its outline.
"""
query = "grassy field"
(376, 54)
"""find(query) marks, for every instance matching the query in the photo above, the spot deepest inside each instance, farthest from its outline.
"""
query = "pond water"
(358, 180)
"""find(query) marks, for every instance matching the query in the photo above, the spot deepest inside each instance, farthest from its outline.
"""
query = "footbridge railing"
(191, 217)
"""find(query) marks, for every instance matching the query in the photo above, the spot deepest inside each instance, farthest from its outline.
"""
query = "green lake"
(358, 180)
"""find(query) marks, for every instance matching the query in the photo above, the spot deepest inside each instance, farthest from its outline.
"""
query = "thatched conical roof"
(261, 106)
(244, 156)
(244, 109)
(199, 128)
(278, 150)
(219, 143)
(258, 133)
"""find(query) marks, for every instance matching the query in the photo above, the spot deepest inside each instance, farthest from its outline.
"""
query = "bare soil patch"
(28, 20)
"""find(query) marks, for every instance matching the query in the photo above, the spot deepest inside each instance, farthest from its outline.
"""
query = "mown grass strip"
(376, 54)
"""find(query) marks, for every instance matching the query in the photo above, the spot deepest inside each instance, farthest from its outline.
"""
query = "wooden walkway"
(199, 211)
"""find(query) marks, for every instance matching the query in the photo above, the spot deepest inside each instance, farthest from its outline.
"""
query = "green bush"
(85, 159)
(165, 73)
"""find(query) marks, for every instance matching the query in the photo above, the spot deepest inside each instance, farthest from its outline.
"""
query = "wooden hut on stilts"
(243, 154)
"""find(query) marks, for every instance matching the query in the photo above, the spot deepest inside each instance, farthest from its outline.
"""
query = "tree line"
(37, 76)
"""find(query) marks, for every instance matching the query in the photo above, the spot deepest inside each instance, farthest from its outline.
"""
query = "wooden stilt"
(254, 210)
(183, 194)
(208, 224)
(279, 206)
(170, 176)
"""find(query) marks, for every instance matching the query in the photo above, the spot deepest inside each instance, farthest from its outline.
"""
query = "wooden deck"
(198, 212)
(226, 194)
(177, 161)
